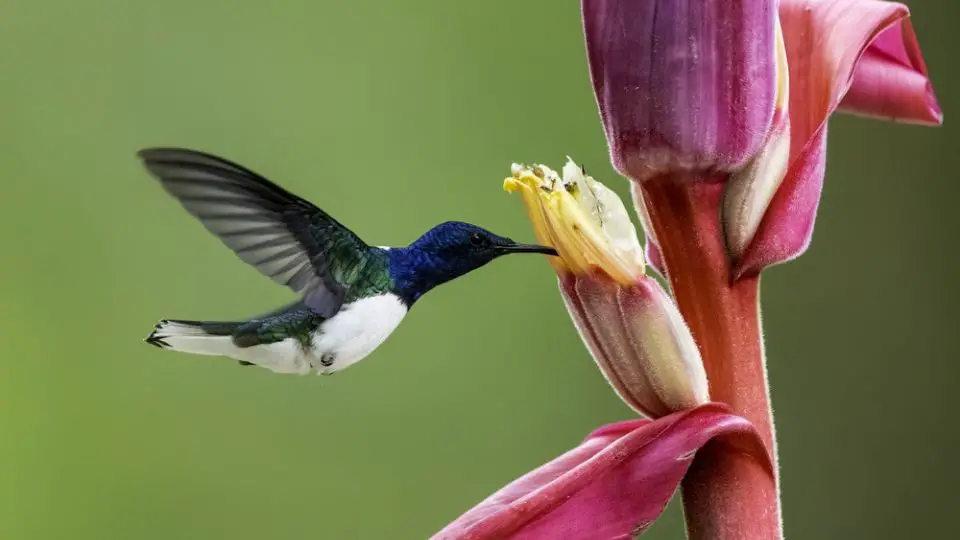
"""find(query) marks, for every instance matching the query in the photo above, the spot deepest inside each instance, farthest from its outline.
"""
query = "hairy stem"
(727, 495)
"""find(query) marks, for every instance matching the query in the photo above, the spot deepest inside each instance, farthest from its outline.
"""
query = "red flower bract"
(857, 55)
(613, 485)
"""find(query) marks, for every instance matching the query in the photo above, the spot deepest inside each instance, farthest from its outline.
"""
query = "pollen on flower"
(583, 219)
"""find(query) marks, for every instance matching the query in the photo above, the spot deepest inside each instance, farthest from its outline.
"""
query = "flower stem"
(727, 495)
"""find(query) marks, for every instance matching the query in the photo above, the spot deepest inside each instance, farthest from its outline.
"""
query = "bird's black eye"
(478, 240)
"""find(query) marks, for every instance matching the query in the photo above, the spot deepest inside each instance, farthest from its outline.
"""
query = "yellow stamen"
(556, 210)
(537, 216)
(565, 242)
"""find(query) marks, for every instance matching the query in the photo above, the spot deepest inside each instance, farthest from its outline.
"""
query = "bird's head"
(461, 247)
(453, 249)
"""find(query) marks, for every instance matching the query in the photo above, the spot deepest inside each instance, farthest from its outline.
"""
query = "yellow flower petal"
(566, 244)
(589, 239)
(537, 215)
(583, 220)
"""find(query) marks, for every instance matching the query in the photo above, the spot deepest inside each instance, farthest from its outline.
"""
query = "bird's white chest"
(356, 330)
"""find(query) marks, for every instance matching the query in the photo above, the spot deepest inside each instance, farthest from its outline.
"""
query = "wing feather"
(283, 236)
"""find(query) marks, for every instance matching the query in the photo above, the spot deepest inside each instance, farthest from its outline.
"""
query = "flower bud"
(627, 321)
(639, 341)
(684, 85)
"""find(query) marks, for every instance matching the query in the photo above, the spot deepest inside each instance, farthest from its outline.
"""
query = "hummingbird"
(352, 295)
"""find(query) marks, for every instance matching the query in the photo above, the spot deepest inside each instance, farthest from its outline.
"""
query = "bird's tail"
(196, 337)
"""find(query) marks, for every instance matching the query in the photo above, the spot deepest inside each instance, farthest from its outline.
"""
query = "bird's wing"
(283, 236)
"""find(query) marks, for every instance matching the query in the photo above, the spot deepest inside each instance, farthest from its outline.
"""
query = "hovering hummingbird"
(352, 295)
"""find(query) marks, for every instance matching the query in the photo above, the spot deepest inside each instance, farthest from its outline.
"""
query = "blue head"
(446, 252)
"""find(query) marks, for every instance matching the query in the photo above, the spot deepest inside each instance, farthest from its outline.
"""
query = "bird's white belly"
(355, 331)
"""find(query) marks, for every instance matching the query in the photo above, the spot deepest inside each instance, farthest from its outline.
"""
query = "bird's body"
(353, 295)
(295, 341)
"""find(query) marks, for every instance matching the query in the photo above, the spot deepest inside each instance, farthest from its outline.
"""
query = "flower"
(717, 111)
(583, 219)
(628, 322)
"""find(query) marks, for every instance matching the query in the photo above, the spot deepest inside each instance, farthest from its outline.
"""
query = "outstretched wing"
(283, 236)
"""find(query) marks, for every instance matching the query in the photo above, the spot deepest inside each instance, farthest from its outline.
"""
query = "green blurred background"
(394, 116)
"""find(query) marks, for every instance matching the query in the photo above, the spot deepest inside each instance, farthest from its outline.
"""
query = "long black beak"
(528, 248)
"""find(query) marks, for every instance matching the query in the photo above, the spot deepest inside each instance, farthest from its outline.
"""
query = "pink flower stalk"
(717, 111)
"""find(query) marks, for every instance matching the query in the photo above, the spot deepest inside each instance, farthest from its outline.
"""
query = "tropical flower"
(717, 112)
(625, 318)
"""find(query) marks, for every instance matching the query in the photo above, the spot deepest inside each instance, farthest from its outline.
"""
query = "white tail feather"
(192, 339)
(181, 329)
(209, 345)
(280, 357)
